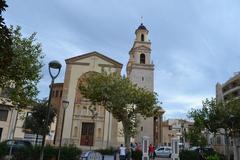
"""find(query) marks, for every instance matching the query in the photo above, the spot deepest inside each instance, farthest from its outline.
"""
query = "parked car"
(207, 150)
(164, 152)
(18, 144)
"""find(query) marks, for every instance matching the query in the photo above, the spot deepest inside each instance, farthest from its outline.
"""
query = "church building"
(97, 129)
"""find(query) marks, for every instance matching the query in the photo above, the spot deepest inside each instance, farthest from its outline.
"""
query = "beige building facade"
(12, 122)
(83, 127)
(88, 128)
(176, 128)
(224, 92)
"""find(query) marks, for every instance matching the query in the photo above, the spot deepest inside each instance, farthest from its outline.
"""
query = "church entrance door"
(87, 134)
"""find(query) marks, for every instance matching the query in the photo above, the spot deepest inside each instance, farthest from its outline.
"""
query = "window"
(142, 78)
(141, 128)
(3, 115)
(142, 58)
(161, 149)
(142, 37)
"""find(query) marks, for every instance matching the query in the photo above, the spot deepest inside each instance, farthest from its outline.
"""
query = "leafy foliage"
(70, 153)
(22, 74)
(120, 97)
(5, 43)
(196, 138)
(33, 153)
(36, 122)
(188, 155)
(215, 116)
(3, 149)
(213, 157)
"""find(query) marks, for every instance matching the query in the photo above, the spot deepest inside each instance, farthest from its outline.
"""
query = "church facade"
(99, 129)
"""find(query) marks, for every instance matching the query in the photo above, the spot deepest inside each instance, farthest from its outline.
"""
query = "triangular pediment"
(92, 54)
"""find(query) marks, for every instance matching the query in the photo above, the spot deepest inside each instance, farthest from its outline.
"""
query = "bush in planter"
(50, 152)
(137, 155)
(3, 149)
(70, 153)
(17, 154)
(23, 153)
(188, 155)
(213, 157)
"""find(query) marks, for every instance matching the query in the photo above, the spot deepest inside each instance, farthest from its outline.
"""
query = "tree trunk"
(227, 150)
(235, 148)
(127, 136)
(43, 140)
(36, 140)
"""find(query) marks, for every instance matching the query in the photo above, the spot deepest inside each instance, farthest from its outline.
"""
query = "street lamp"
(65, 104)
(53, 65)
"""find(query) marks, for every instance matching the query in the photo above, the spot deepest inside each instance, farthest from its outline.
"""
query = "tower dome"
(142, 27)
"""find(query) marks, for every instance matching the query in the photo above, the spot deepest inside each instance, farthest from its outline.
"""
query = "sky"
(195, 44)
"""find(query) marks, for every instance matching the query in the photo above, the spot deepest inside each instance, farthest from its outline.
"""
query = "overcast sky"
(195, 44)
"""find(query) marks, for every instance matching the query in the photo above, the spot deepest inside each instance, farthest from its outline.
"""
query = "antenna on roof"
(141, 19)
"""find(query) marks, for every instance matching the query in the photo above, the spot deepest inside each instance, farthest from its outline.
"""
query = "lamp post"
(53, 65)
(65, 104)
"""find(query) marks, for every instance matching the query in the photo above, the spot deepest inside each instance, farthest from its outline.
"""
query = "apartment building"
(225, 91)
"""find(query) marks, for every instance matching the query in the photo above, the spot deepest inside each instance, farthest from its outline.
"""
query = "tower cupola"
(142, 34)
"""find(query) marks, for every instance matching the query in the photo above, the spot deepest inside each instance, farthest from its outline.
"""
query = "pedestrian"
(151, 151)
(122, 152)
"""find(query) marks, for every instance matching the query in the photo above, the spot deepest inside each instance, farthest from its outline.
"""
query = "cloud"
(195, 44)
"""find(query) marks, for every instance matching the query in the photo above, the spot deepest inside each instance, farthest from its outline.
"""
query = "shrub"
(3, 149)
(23, 153)
(213, 157)
(50, 152)
(137, 155)
(33, 153)
(70, 153)
(188, 155)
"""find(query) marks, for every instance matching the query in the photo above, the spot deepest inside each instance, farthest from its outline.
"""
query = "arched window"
(142, 58)
(142, 37)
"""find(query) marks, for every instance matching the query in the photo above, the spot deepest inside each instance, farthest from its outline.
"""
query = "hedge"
(50, 153)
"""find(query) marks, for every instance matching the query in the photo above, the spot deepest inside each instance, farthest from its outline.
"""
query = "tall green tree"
(36, 121)
(20, 77)
(6, 53)
(218, 118)
(120, 97)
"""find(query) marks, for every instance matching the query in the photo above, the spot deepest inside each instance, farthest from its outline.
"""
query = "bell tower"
(140, 70)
